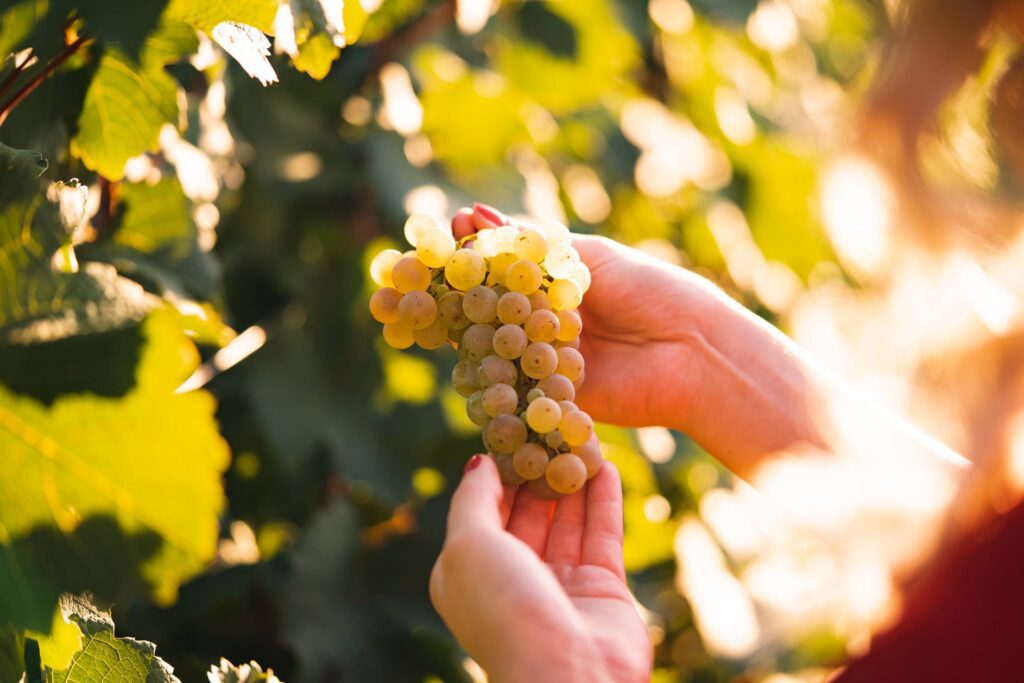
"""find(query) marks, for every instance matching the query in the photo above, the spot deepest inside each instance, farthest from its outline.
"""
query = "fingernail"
(473, 463)
(485, 216)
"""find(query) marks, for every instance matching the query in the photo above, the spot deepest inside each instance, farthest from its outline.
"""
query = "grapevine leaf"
(155, 217)
(57, 647)
(322, 28)
(109, 495)
(37, 300)
(124, 110)
(249, 47)
(105, 657)
(316, 55)
(12, 655)
(243, 673)
(205, 14)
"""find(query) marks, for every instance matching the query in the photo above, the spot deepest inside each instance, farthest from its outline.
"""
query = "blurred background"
(847, 169)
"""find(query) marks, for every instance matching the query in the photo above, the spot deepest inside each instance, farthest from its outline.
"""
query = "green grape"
(506, 470)
(505, 238)
(582, 277)
(475, 409)
(524, 277)
(571, 344)
(441, 290)
(543, 415)
(410, 275)
(499, 268)
(541, 326)
(569, 326)
(431, 337)
(483, 242)
(500, 290)
(417, 224)
(500, 399)
(530, 244)
(384, 305)
(565, 295)
(509, 341)
(567, 406)
(513, 308)
(476, 342)
(434, 247)
(539, 301)
(591, 456)
(465, 269)
(540, 488)
(496, 370)
(534, 394)
(417, 309)
(506, 433)
(561, 261)
(398, 335)
(449, 310)
(554, 439)
(554, 232)
(382, 265)
(479, 304)
(566, 473)
(464, 378)
(576, 426)
(539, 360)
(570, 363)
(530, 460)
(557, 387)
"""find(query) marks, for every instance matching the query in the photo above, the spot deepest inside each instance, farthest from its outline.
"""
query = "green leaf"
(58, 647)
(316, 56)
(243, 673)
(12, 655)
(38, 300)
(105, 657)
(155, 217)
(124, 110)
(111, 495)
(248, 46)
(205, 14)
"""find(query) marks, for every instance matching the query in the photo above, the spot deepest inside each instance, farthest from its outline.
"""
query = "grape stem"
(42, 75)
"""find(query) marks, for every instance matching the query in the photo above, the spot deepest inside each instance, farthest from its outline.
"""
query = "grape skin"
(479, 304)
(577, 427)
(530, 461)
(398, 335)
(531, 245)
(410, 275)
(570, 325)
(449, 310)
(506, 433)
(566, 473)
(382, 265)
(384, 305)
(464, 377)
(499, 267)
(500, 399)
(541, 326)
(524, 277)
(465, 269)
(543, 415)
(434, 247)
(539, 301)
(509, 341)
(494, 369)
(417, 309)
(475, 409)
(591, 456)
(540, 488)
(513, 308)
(431, 337)
(565, 295)
(557, 387)
(570, 363)
(476, 342)
(507, 471)
(539, 360)
(416, 225)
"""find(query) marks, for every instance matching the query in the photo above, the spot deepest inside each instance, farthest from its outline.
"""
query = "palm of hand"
(546, 579)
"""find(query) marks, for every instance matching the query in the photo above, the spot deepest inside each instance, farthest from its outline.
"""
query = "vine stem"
(18, 68)
(42, 75)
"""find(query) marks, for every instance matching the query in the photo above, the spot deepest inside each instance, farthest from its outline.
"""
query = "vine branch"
(39, 77)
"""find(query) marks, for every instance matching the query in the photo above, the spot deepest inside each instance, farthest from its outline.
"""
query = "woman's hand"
(535, 591)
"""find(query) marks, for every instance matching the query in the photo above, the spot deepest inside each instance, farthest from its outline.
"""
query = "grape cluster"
(506, 297)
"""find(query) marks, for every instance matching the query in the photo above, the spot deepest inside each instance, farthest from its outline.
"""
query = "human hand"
(536, 591)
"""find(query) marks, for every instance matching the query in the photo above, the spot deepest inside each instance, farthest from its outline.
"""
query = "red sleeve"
(965, 623)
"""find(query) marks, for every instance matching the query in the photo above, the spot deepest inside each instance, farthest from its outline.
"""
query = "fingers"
(530, 520)
(565, 537)
(462, 223)
(478, 499)
(602, 534)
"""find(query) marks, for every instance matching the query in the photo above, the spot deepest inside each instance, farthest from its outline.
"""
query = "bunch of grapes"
(506, 297)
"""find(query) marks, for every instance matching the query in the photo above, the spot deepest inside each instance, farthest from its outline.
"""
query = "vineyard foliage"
(202, 438)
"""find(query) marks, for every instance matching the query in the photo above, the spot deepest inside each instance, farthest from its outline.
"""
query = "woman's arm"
(666, 347)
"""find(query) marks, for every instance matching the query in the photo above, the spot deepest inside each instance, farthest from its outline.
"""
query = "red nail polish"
(487, 216)
(473, 463)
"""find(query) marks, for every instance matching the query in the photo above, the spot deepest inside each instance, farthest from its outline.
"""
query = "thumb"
(477, 500)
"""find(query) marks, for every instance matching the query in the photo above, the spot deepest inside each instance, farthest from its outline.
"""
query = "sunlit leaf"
(248, 46)
(205, 14)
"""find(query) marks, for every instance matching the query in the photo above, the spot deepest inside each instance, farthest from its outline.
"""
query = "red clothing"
(965, 623)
